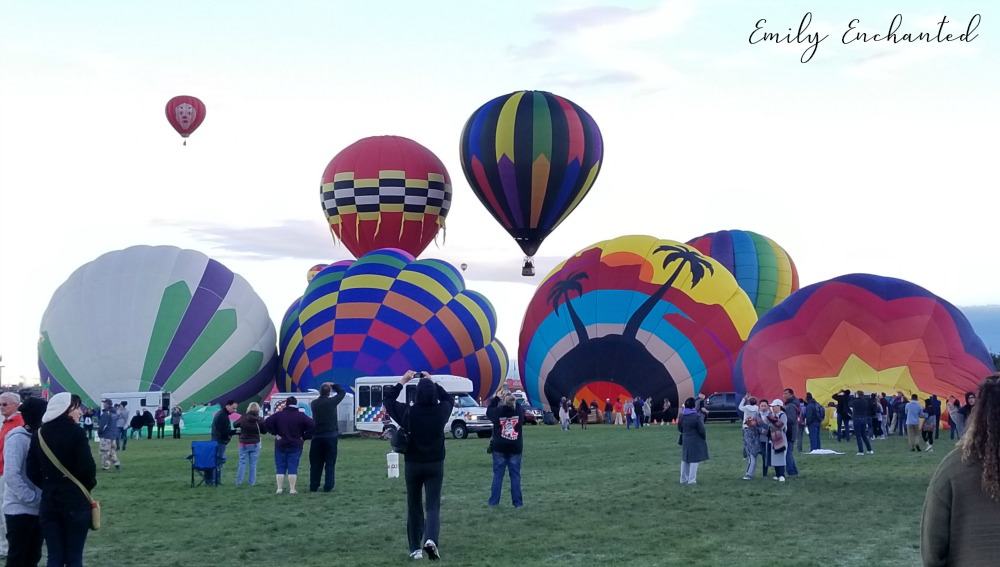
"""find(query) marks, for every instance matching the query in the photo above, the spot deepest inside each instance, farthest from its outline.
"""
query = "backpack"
(822, 412)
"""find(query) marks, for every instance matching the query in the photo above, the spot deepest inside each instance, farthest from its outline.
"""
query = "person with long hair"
(751, 420)
(961, 518)
(777, 423)
(64, 511)
(251, 427)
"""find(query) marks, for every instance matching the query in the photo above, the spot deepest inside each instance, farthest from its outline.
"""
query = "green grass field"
(592, 497)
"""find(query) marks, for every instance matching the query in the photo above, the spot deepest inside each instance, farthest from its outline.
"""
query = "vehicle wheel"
(459, 431)
(484, 434)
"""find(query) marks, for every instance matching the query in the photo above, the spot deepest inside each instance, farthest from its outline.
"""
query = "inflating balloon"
(314, 270)
(762, 268)
(385, 192)
(863, 332)
(157, 319)
(633, 316)
(384, 314)
(531, 157)
(185, 114)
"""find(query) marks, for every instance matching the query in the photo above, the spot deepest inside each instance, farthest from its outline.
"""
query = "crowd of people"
(634, 412)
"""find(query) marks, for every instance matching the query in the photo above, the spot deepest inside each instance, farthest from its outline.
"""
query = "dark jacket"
(792, 409)
(843, 404)
(107, 425)
(507, 423)
(222, 428)
(692, 428)
(861, 408)
(637, 408)
(148, 419)
(68, 443)
(290, 428)
(425, 419)
(137, 422)
(325, 413)
(251, 427)
(813, 413)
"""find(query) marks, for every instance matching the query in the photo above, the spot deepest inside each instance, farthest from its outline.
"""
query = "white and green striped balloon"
(157, 318)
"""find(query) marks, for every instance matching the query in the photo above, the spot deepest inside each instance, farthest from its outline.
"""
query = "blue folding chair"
(204, 462)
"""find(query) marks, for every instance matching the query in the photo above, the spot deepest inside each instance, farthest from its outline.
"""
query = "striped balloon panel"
(531, 157)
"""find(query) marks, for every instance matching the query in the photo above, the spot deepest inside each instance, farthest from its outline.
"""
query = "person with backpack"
(506, 444)
(424, 453)
(815, 414)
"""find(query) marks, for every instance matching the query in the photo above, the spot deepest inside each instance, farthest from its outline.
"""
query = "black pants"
(928, 437)
(149, 432)
(65, 531)
(177, 431)
(159, 430)
(322, 455)
(24, 538)
(423, 520)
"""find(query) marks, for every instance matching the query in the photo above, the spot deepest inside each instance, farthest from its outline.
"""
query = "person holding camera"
(506, 444)
(424, 423)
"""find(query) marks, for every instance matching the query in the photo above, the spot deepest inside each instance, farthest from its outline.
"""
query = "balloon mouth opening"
(600, 391)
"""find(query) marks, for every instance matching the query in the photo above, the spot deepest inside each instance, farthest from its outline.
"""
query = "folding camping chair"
(203, 461)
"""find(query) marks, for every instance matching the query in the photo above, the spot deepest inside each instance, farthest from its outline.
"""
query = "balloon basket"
(528, 268)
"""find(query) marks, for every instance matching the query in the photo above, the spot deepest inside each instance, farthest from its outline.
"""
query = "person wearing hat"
(22, 497)
(64, 512)
(777, 426)
(9, 402)
(108, 433)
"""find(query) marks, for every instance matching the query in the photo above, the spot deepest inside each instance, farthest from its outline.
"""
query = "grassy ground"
(592, 496)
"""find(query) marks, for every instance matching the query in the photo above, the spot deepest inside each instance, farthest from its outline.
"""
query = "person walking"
(108, 435)
(161, 422)
(251, 428)
(64, 512)
(222, 432)
(913, 413)
(814, 416)
(929, 425)
(792, 411)
(21, 497)
(12, 419)
(175, 421)
(121, 413)
(751, 445)
(694, 444)
(960, 524)
(290, 428)
(861, 415)
(583, 414)
(323, 447)
(507, 444)
(564, 417)
(424, 458)
(777, 423)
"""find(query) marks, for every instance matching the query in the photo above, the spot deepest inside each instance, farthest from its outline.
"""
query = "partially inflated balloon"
(185, 114)
(863, 332)
(387, 313)
(762, 268)
(531, 157)
(633, 316)
(157, 319)
(385, 192)
(314, 270)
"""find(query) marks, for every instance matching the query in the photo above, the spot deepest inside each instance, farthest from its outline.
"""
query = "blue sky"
(870, 158)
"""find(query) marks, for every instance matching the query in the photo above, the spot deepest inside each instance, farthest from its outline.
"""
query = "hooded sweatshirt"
(425, 419)
(507, 423)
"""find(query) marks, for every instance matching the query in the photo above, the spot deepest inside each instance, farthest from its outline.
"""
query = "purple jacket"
(290, 427)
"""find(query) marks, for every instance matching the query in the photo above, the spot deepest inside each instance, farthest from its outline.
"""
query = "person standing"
(88, 424)
(913, 412)
(161, 422)
(323, 447)
(647, 411)
(843, 400)
(222, 432)
(637, 412)
(777, 432)
(960, 524)
(936, 405)
(148, 421)
(629, 409)
(928, 426)
(290, 428)
(251, 427)
(608, 411)
(792, 411)
(507, 444)
(694, 443)
(564, 414)
(618, 411)
(135, 425)
(21, 497)
(901, 413)
(764, 435)
(814, 417)
(954, 416)
(65, 509)
(860, 411)
(583, 414)
(108, 434)
(121, 413)
(12, 419)
(175, 421)
(424, 457)
(751, 446)
(966, 411)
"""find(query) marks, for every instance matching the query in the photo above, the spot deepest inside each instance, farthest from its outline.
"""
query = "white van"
(151, 401)
(345, 409)
(369, 411)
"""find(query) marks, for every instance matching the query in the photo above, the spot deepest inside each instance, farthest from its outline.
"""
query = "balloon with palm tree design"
(643, 317)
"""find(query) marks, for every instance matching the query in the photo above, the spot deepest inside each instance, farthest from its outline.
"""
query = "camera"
(418, 375)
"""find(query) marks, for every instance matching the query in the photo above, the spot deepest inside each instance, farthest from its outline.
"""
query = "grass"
(595, 496)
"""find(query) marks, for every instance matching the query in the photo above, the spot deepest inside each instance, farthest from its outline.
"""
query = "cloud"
(575, 19)
(609, 78)
(290, 238)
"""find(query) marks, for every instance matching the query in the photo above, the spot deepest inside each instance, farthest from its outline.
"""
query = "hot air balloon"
(384, 314)
(157, 318)
(314, 270)
(763, 269)
(531, 157)
(185, 114)
(633, 316)
(385, 192)
(464, 266)
(863, 332)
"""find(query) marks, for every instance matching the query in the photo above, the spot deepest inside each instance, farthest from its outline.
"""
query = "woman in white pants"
(694, 447)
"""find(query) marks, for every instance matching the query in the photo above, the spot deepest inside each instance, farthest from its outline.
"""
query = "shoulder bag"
(401, 437)
(95, 506)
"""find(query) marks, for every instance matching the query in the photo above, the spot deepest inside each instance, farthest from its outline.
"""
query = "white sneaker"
(432, 550)
(930, 448)
(860, 454)
(418, 554)
(781, 479)
(872, 452)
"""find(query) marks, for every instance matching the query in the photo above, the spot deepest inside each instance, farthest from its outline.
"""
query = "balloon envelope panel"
(863, 332)
(157, 318)
(763, 269)
(652, 316)
(384, 314)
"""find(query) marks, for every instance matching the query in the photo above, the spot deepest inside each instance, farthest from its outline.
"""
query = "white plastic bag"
(392, 464)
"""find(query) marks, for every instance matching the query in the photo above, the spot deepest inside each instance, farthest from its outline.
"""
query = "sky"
(870, 158)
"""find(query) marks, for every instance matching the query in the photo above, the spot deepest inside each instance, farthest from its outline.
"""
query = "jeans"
(814, 440)
(423, 520)
(765, 458)
(506, 462)
(286, 461)
(65, 532)
(220, 458)
(629, 422)
(248, 458)
(799, 435)
(177, 431)
(24, 534)
(322, 455)
(790, 467)
(861, 434)
(689, 473)
(124, 438)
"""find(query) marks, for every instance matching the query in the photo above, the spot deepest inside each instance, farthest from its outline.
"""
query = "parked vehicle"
(370, 415)
(723, 406)
(345, 410)
(142, 401)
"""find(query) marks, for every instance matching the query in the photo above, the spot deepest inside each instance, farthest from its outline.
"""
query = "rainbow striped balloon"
(531, 157)
(762, 268)
(384, 314)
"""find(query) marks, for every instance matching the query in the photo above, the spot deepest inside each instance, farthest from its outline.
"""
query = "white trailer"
(345, 409)
(143, 401)
(370, 415)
